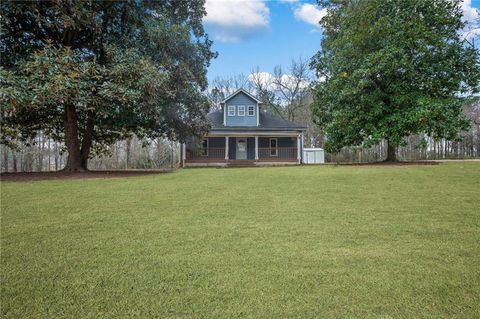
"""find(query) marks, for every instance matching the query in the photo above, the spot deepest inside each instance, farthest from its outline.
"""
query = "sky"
(258, 33)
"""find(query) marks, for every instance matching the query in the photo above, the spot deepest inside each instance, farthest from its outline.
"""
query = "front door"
(241, 148)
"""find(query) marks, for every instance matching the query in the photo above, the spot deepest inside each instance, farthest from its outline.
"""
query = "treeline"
(44, 154)
(288, 96)
(419, 147)
(416, 149)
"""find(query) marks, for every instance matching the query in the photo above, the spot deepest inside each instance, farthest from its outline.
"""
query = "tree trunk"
(55, 150)
(41, 150)
(87, 140)
(5, 158)
(49, 154)
(127, 152)
(74, 158)
(14, 156)
(391, 152)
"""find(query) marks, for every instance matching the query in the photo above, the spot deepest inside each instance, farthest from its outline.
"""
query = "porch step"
(241, 163)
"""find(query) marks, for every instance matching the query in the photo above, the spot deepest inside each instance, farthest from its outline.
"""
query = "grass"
(294, 242)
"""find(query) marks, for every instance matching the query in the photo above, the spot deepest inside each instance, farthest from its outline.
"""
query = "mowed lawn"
(289, 242)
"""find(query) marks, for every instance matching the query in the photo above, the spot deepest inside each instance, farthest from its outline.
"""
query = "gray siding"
(241, 99)
(251, 148)
(232, 147)
(216, 142)
(282, 142)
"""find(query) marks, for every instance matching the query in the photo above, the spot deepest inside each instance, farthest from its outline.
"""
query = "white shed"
(313, 156)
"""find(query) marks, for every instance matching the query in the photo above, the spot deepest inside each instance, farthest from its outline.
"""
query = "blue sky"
(251, 33)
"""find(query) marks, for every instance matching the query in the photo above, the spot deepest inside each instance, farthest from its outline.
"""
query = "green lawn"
(292, 242)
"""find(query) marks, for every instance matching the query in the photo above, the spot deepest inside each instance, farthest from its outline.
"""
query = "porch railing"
(264, 154)
(280, 153)
(211, 154)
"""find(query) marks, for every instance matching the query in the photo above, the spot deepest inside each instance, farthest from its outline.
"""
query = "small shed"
(313, 156)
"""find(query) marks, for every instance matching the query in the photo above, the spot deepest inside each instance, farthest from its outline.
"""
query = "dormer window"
(231, 110)
(241, 110)
(251, 110)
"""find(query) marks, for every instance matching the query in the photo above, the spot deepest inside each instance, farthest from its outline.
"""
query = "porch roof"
(267, 122)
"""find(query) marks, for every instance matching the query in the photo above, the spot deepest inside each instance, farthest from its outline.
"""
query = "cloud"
(470, 16)
(310, 14)
(265, 78)
(236, 20)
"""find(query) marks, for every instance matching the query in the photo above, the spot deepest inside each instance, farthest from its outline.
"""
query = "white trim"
(246, 146)
(270, 146)
(230, 108)
(226, 148)
(238, 91)
(258, 114)
(299, 152)
(224, 115)
(256, 147)
(253, 133)
(184, 154)
(252, 108)
(241, 109)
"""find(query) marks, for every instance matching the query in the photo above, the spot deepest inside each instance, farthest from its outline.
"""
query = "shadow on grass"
(39, 176)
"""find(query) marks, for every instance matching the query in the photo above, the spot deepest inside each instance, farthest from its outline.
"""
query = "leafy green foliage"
(117, 69)
(392, 68)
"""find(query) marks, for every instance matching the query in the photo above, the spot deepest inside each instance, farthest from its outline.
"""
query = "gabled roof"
(241, 90)
(267, 122)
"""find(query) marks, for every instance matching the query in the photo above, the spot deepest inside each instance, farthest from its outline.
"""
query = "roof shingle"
(267, 121)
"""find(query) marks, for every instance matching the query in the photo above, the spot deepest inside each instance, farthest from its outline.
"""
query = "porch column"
(226, 148)
(299, 150)
(184, 154)
(256, 148)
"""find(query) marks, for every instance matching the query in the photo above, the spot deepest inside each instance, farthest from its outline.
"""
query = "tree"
(221, 87)
(293, 88)
(89, 73)
(392, 68)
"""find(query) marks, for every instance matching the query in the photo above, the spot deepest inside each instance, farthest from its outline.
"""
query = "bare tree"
(292, 88)
(262, 86)
(221, 87)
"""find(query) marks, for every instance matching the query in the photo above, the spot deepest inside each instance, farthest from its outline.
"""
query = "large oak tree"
(392, 68)
(89, 72)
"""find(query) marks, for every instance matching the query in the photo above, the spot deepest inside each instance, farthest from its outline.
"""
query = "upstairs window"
(251, 110)
(231, 110)
(241, 110)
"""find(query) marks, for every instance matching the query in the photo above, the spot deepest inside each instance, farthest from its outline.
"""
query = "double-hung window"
(251, 110)
(241, 110)
(273, 147)
(231, 110)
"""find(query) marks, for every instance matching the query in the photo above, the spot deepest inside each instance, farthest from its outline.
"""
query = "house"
(243, 133)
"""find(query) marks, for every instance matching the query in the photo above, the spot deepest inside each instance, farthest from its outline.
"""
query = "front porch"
(243, 151)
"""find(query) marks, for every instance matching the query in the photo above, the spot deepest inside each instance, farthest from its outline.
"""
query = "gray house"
(242, 133)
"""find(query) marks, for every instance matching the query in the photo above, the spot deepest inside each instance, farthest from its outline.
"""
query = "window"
(231, 110)
(251, 110)
(273, 147)
(204, 147)
(241, 110)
